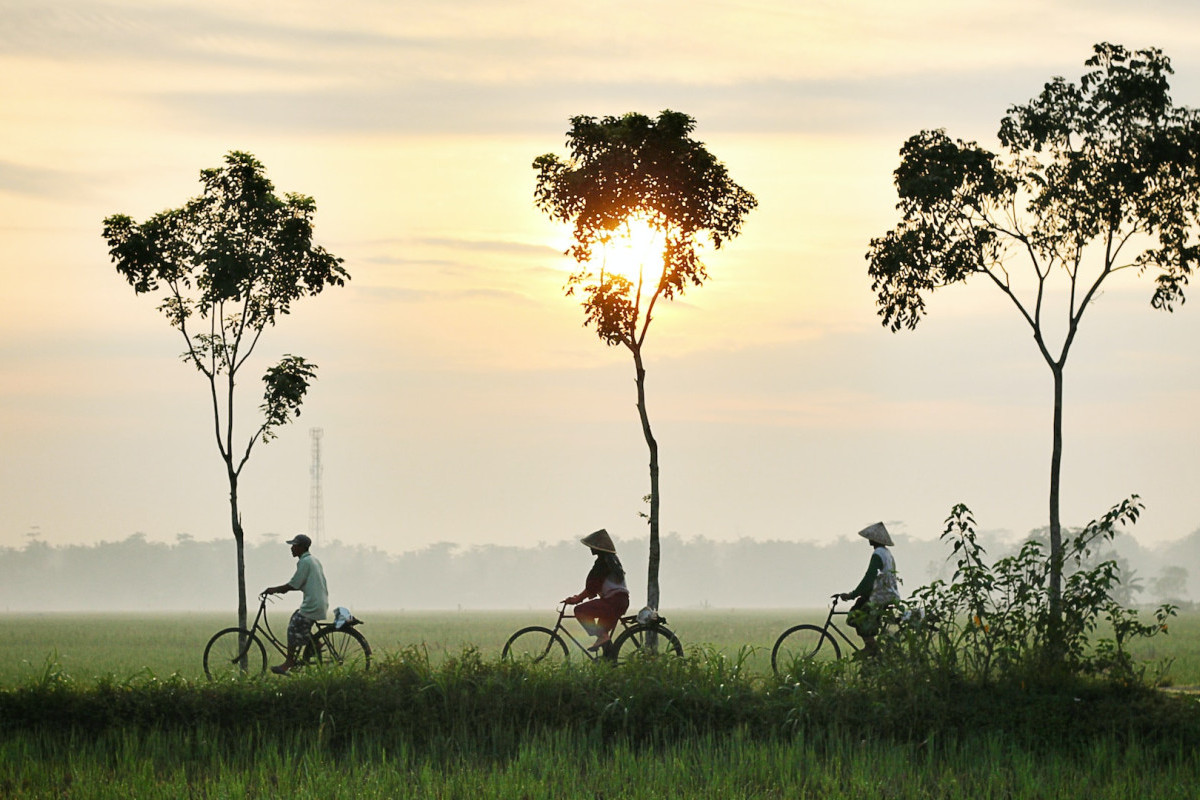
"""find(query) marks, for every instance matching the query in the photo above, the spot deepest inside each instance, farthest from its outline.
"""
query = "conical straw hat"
(877, 533)
(600, 540)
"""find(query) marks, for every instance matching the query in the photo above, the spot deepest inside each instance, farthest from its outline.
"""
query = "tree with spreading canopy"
(1093, 179)
(225, 266)
(633, 172)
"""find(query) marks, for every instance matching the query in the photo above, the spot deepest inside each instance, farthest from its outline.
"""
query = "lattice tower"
(316, 510)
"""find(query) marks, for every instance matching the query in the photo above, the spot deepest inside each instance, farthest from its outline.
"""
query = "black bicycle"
(537, 643)
(238, 652)
(810, 642)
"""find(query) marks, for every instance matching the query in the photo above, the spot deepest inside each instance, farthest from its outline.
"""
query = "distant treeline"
(140, 575)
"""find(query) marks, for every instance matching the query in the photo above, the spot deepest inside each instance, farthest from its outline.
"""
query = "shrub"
(991, 622)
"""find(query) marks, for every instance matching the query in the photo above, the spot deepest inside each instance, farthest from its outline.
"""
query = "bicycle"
(238, 652)
(810, 642)
(537, 643)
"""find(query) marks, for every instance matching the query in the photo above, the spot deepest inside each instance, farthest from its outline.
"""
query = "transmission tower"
(316, 511)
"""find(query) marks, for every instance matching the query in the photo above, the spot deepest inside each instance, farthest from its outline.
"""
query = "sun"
(634, 251)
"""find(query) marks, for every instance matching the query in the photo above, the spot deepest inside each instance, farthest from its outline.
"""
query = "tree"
(1093, 179)
(226, 265)
(1171, 585)
(630, 171)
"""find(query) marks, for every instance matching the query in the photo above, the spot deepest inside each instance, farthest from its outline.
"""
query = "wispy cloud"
(42, 182)
(404, 295)
(483, 68)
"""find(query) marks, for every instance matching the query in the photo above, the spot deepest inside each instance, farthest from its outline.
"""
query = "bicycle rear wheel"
(344, 648)
(632, 643)
(225, 651)
(535, 644)
(808, 643)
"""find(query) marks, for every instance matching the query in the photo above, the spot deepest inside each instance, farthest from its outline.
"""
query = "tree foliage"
(1111, 162)
(225, 266)
(635, 167)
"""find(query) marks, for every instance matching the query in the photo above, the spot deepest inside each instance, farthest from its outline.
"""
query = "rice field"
(733, 767)
(89, 646)
(116, 706)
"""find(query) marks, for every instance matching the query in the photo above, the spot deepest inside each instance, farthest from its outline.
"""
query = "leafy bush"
(992, 622)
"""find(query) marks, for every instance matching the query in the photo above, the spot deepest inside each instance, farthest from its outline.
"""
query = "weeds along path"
(485, 703)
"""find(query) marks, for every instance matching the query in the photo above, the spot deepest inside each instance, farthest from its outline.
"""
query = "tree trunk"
(239, 539)
(652, 595)
(1054, 629)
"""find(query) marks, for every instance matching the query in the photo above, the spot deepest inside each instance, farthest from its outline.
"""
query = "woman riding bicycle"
(877, 590)
(606, 582)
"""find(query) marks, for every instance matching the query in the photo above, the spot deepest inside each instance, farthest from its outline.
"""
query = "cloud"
(41, 182)
(474, 68)
(439, 107)
(406, 295)
(490, 246)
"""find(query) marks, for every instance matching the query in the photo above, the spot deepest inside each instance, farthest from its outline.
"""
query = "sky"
(459, 395)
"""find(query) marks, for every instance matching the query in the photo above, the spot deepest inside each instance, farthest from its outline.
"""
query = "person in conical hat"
(600, 540)
(878, 589)
(606, 583)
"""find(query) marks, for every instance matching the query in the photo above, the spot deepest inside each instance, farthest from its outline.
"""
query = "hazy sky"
(460, 397)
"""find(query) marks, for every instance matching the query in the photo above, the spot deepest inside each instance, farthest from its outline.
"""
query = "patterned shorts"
(299, 629)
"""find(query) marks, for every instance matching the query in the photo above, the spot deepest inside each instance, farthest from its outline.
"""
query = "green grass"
(729, 766)
(702, 727)
(88, 647)
(108, 706)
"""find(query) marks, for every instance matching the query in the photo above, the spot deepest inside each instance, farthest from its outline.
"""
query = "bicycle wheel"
(632, 643)
(226, 649)
(344, 648)
(803, 643)
(535, 644)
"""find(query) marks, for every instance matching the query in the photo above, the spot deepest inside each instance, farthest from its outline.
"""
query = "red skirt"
(601, 613)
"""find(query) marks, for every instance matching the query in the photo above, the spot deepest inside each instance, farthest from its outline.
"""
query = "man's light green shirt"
(310, 579)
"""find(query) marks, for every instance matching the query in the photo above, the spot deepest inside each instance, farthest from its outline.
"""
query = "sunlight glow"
(634, 251)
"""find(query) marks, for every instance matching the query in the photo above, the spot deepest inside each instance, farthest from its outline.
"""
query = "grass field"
(87, 646)
(729, 767)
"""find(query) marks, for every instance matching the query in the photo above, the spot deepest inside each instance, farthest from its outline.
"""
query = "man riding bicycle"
(310, 579)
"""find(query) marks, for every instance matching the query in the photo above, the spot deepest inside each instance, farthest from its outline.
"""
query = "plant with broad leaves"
(993, 621)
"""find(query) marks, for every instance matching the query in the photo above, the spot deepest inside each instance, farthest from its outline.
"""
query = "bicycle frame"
(831, 625)
(265, 633)
(561, 629)
(264, 630)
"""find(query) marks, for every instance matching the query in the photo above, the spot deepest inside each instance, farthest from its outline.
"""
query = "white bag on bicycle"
(647, 615)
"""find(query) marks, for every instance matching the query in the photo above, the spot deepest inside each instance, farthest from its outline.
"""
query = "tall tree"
(225, 266)
(627, 172)
(1093, 179)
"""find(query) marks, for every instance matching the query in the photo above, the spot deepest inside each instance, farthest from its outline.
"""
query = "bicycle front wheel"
(535, 644)
(808, 643)
(234, 653)
(634, 643)
(344, 648)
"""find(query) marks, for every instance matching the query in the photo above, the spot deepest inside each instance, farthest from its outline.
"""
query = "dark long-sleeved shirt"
(868, 582)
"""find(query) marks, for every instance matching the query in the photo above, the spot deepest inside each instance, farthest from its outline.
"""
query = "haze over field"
(460, 397)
